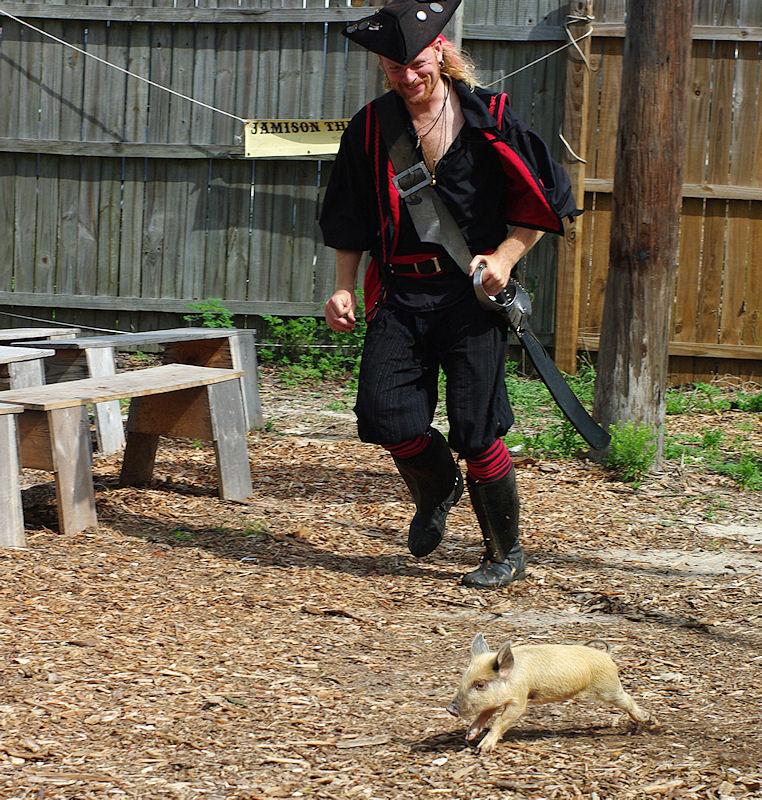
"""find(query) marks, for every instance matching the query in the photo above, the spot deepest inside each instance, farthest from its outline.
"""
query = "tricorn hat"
(402, 28)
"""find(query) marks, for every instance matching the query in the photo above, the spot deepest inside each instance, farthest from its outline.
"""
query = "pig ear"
(505, 660)
(479, 645)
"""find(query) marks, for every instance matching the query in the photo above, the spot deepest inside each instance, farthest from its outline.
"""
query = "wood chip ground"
(290, 647)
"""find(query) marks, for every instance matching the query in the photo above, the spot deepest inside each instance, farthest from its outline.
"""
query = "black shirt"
(469, 180)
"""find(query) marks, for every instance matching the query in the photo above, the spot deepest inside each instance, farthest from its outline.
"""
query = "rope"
(56, 322)
(570, 20)
(122, 69)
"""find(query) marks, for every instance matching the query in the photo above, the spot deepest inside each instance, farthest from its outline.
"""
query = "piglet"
(501, 684)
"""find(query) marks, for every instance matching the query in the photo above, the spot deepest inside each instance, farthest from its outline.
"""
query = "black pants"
(403, 351)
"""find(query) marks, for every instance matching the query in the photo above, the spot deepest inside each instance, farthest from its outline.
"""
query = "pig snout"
(454, 709)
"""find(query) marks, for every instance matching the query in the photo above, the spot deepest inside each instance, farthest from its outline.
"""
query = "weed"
(210, 313)
(337, 405)
(256, 529)
(180, 535)
(306, 351)
(745, 471)
(701, 398)
(632, 451)
(559, 440)
(747, 402)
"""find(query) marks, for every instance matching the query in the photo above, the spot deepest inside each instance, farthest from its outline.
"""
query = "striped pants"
(403, 351)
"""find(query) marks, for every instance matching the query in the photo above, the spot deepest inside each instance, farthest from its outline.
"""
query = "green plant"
(748, 402)
(699, 398)
(256, 529)
(180, 535)
(632, 451)
(306, 351)
(745, 470)
(210, 313)
(557, 440)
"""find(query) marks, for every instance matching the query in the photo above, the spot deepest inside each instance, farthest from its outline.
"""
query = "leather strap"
(432, 220)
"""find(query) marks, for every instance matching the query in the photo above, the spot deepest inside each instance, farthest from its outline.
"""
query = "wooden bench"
(10, 335)
(176, 400)
(94, 356)
(22, 366)
(11, 515)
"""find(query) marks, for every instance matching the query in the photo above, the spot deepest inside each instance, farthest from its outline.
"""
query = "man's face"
(415, 82)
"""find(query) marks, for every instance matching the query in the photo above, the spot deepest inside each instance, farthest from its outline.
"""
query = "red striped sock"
(410, 448)
(491, 465)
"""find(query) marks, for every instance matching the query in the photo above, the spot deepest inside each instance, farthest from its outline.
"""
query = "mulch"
(288, 646)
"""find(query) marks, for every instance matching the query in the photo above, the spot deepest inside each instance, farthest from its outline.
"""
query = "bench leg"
(24, 374)
(243, 356)
(108, 416)
(11, 516)
(72, 460)
(229, 436)
(139, 458)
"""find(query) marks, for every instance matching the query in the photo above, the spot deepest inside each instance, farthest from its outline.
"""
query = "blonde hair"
(458, 64)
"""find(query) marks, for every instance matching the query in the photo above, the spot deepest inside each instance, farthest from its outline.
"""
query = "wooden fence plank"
(46, 227)
(736, 269)
(751, 329)
(721, 113)
(7, 218)
(685, 309)
(710, 287)
(25, 221)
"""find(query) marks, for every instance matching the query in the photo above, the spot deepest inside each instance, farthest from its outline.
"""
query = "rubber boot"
(436, 485)
(497, 508)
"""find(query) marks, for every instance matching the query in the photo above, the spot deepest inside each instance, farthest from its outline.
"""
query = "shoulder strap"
(432, 219)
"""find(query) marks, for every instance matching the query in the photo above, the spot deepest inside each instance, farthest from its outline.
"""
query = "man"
(503, 190)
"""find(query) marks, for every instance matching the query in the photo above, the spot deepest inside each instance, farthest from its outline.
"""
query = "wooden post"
(568, 275)
(633, 357)
(11, 515)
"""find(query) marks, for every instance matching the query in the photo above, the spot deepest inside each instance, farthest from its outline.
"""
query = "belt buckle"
(434, 260)
(412, 180)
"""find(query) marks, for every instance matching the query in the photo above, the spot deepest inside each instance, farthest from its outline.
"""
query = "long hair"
(458, 64)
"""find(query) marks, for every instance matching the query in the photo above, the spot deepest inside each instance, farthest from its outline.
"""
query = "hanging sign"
(280, 138)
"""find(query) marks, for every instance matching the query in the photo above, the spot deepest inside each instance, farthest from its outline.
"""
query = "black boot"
(436, 484)
(497, 508)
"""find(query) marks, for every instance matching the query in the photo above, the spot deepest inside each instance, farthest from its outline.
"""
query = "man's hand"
(498, 265)
(340, 311)
(497, 271)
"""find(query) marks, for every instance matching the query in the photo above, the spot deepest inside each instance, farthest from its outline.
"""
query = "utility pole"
(634, 345)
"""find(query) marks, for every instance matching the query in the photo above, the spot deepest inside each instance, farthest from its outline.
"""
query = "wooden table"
(11, 515)
(22, 366)
(177, 400)
(9, 335)
(228, 348)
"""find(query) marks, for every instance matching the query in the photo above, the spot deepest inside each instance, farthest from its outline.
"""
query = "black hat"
(402, 28)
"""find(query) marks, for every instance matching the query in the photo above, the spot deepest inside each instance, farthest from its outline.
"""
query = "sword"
(514, 304)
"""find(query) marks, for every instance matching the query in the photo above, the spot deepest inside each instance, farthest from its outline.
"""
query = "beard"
(429, 83)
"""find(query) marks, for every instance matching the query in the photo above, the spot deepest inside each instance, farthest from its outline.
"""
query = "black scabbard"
(565, 398)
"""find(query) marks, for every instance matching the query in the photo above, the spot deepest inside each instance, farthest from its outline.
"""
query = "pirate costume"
(422, 311)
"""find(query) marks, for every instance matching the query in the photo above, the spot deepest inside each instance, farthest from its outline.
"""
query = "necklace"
(421, 134)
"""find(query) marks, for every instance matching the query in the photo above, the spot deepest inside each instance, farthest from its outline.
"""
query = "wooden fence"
(717, 315)
(120, 203)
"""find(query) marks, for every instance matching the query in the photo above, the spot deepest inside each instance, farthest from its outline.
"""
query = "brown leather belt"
(432, 266)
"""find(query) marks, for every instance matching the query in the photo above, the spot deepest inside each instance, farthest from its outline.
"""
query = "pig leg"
(619, 698)
(500, 725)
